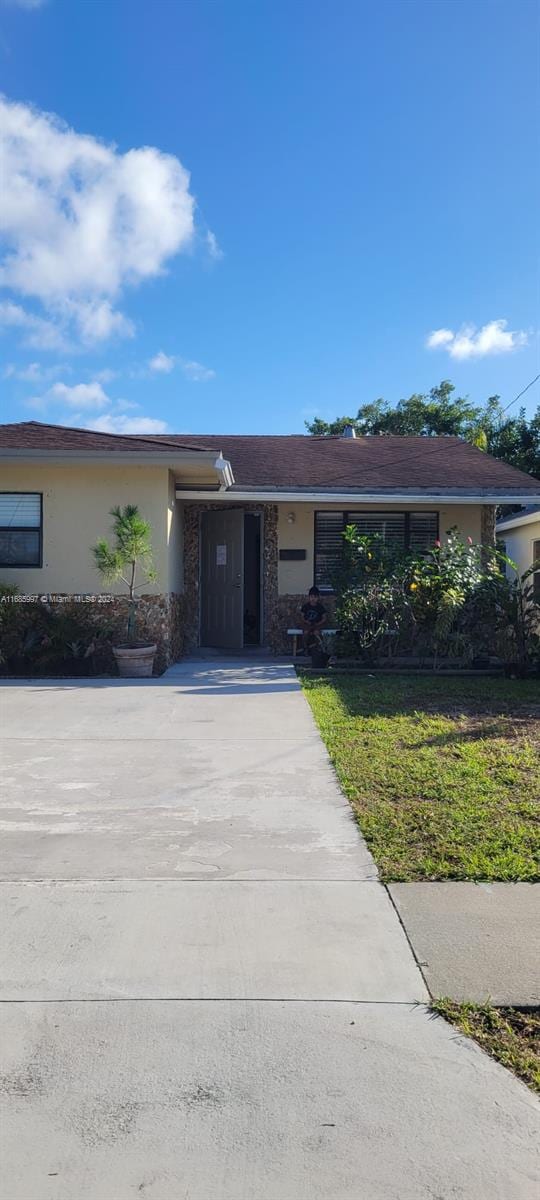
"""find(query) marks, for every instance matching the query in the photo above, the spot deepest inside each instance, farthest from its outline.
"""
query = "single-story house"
(241, 525)
(519, 533)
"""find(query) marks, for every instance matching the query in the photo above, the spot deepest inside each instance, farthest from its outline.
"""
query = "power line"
(520, 394)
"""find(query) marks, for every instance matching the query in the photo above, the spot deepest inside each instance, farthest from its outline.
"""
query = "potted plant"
(132, 553)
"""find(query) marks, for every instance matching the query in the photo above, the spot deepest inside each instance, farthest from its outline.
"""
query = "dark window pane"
(388, 526)
(424, 528)
(329, 527)
(19, 547)
(20, 510)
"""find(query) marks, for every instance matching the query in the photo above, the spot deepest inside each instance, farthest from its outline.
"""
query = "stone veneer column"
(487, 525)
(270, 574)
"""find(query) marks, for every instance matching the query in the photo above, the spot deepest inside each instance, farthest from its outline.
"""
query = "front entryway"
(230, 579)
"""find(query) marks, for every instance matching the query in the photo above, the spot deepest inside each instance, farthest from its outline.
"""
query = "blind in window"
(424, 530)
(388, 526)
(20, 510)
(414, 531)
(329, 527)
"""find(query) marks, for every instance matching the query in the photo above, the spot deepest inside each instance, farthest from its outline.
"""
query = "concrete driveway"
(206, 991)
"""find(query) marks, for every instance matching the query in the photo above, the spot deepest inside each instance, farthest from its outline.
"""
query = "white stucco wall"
(295, 577)
(520, 544)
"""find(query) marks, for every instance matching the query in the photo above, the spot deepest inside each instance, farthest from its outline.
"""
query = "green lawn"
(511, 1035)
(443, 774)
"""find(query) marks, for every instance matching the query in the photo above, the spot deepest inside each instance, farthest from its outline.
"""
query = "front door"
(222, 578)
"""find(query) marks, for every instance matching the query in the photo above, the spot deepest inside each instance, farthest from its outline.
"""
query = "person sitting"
(313, 619)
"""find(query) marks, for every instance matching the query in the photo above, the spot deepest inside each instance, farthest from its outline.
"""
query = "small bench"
(296, 633)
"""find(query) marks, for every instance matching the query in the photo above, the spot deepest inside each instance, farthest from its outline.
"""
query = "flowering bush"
(440, 584)
(453, 602)
(372, 600)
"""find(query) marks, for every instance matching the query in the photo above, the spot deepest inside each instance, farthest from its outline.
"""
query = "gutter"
(345, 498)
(144, 457)
(517, 520)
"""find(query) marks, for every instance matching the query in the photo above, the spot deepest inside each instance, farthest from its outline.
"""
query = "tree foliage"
(453, 602)
(131, 551)
(515, 439)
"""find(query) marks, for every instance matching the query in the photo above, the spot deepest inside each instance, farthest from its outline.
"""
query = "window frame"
(6, 566)
(346, 513)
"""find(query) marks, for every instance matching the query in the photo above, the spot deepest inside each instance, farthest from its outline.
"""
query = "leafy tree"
(515, 439)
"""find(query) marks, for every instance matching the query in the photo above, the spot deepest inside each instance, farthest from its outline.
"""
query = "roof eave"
(518, 519)
(162, 458)
(422, 496)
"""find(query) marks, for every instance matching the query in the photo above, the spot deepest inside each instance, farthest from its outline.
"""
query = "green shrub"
(455, 602)
(41, 639)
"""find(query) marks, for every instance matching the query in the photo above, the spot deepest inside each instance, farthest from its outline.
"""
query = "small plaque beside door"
(221, 556)
(292, 555)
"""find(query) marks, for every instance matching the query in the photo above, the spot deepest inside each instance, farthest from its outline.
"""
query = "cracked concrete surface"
(206, 990)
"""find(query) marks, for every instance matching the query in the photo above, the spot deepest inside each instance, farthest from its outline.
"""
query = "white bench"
(296, 633)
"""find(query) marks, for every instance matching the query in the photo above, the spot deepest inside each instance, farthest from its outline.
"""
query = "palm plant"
(131, 553)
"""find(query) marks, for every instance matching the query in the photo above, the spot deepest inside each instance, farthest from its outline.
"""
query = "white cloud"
(162, 363)
(106, 375)
(37, 332)
(28, 4)
(81, 221)
(196, 372)
(440, 337)
(95, 320)
(81, 395)
(115, 423)
(33, 372)
(87, 404)
(213, 246)
(165, 363)
(471, 342)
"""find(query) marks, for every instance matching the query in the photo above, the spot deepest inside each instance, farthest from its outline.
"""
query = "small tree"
(131, 552)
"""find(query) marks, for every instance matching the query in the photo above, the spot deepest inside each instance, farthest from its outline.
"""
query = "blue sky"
(360, 176)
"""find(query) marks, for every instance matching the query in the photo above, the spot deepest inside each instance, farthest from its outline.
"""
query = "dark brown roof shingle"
(368, 464)
(303, 463)
(36, 435)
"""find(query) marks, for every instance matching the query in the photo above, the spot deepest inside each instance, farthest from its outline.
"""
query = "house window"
(20, 529)
(414, 531)
(536, 576)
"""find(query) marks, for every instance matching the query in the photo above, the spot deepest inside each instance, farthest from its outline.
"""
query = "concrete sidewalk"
(206, 990)
(475, 941)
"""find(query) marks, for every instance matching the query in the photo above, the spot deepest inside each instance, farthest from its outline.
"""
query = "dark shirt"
(313, 613)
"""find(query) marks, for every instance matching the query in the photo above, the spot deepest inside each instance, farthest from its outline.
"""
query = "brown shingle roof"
(369, 464)
(300, 462)
(36, 435)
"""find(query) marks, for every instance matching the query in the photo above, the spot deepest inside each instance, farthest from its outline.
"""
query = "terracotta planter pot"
(135, 662)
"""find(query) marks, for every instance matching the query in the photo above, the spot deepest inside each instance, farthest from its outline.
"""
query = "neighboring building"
(520, 534)
(242, 526)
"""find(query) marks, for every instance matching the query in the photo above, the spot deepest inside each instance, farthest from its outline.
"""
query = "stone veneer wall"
(192, 534)
(159, 619)
(487, 519)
